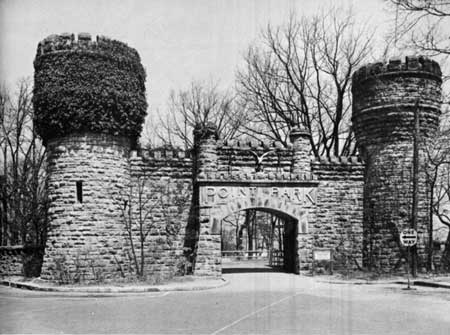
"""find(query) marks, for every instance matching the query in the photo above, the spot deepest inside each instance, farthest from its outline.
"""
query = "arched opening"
(259, 240)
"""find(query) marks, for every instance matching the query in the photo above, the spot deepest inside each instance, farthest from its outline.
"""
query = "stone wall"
(240, 158)
(339, 212)
(254, 168)
(11, 263)
(385, 100)
(90, 239)
(166, 177)
(323, 196)
(20, 260)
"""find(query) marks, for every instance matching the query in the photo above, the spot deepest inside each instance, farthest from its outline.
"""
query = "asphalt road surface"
(253, 303)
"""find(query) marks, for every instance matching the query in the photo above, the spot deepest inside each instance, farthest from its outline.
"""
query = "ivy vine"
(99, 89)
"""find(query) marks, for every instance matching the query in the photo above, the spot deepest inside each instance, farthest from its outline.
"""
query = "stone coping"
(20, 247)
(256, 177)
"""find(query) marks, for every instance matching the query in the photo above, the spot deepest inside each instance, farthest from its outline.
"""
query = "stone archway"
(267, 204)
(278, 251)
(292, 200)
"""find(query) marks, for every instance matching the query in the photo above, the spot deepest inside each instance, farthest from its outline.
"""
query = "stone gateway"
(97, 173)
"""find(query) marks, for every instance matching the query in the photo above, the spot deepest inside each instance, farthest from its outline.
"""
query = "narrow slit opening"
(79, 191)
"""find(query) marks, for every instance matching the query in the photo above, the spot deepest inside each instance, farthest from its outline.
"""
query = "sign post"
(408, 239)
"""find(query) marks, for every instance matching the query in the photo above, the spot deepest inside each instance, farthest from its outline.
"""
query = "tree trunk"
(237, 236)
(445, 260)
(248, 220)
(415, 185)
(430, 227)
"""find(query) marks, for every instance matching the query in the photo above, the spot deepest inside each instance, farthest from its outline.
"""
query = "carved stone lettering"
(274, 191)
(211, 195)
(210, 192)
(223, 192)
(311, 196)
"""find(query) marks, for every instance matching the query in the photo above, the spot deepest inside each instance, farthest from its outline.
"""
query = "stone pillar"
(209, 254)
(301, 165)
(385, 100)
(301, 146)
(208, 258)
(205, 149)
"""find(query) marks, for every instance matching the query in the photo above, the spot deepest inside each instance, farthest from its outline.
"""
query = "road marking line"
(253, 313)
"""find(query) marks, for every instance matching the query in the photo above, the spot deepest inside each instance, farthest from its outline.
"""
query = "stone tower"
(89, 101)
(385, 100)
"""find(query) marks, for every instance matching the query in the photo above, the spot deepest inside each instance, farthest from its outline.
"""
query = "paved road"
(263, 303)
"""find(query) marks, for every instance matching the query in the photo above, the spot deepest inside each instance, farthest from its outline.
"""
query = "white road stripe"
(253, 313)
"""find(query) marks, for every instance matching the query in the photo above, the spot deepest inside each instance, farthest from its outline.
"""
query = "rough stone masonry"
(351, 207)
(386, 96)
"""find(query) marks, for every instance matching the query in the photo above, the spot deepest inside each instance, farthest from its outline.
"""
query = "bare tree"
(438, 178)
(137, 205)
(420, 24)
(301, 74)
(24, 201)
(233, 221)
(146, 206)
(200, 104)
(250, 224)
(175, 201)
(440, 210)
(258, 224)
(431, 7)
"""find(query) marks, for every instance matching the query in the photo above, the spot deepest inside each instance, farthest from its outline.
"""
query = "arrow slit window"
(79, 187)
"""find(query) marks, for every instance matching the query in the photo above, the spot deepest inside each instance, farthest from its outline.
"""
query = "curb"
(431, 284)
(356, 282)
(424, 283)
(399, 282)
(113, 289)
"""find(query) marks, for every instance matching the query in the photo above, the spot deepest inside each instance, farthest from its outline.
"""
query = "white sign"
(322, 255)
(408, 237)
(210, 195)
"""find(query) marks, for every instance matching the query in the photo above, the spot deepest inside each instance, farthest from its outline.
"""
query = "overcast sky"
(178, 41)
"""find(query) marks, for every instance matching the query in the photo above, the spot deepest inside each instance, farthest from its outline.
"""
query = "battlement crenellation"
(416, 66)
(83, 42)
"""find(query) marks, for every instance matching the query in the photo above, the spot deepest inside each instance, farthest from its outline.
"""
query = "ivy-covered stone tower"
(386, 98)
(89, 101)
